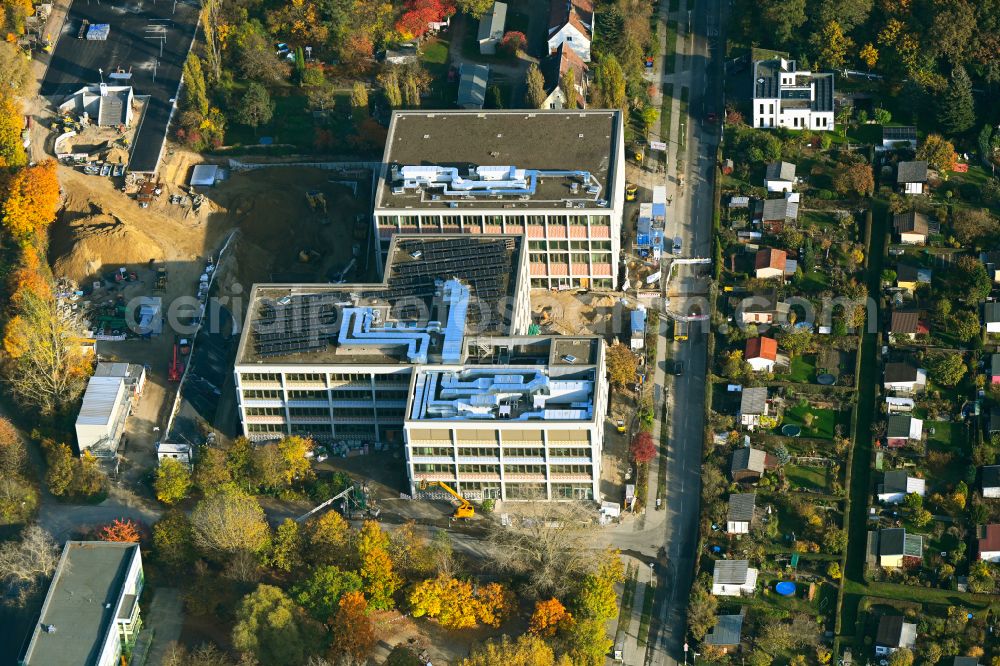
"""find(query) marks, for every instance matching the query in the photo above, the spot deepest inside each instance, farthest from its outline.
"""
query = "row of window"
(569, 245)
(593, 283)
(448, 468)
(344, 394)
(477, 220)
(493, 452)
(571, 257)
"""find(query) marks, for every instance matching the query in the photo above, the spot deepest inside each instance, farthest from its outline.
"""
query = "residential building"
(896, 405)
(491, 28)
(732, 578)
(90, 615)
(554, 69)
(991, 481)
(904, 377)
(749, 464)
(899, 137)
(909, 277)
(911, 177)
(785, 96)
(963, 661)
(994, 368)
(571, 22)
(989, 542)
(334, 362)
(779, 177)
(993, 422)
(100, 425)
(991, 316)
(555, 177)
(520, 419)
(897, 484)
(754, 405)
(725, 636)
(770, 263)
(893, 633)
(911, 227)
(903, 429)
(472, 83)
(762, 308)
(907, 324)
(741, 512)
(761, 353)
(991, 260)
(776, 213)
(891, 547)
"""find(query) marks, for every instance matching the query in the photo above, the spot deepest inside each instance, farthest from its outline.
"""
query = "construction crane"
(463, 510)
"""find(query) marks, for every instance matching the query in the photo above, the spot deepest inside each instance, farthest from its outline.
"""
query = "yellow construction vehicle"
(620, 425)
(317, 201)
(463, 510)
(630, 191)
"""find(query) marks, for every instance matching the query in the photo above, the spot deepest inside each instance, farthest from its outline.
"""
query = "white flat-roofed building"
(107, 402)
(532, 428)
(786, 96)
(334, 361)
(557, 177)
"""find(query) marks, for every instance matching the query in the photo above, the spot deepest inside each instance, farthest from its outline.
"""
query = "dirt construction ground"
(572, 313)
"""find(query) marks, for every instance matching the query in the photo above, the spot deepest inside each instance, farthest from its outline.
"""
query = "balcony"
(561, 460)
(323, 420)
(479, 460)
(524, 460)
(448, 477)
(435, 460)
(479, 476)
(523, 476)
(309, 384)
(275, 384)
(570, 476)
(256, 402)
(278, 420)
(303, 402)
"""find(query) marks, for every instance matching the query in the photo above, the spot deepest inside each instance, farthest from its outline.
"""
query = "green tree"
(359, 96)
(60, 463)
(782, 17)
(286, 549)
(526, 650)
(882, 116)
(901, 657)
(568, 86)
(622, 365)
(946, 368)
(650, 115)
(389, 80)
(377, 572)
(256, 107)
(273, 629)
(195, 90)
(832, 44)
(797, 341)
(609, 84)
(230, 523)
(211, 471)
(957, 111)
(321, 592)
(173, 481)
(172, 541)
(702, 605)
(474, 8)
(534, 95)
(972, 280)
(588, 643)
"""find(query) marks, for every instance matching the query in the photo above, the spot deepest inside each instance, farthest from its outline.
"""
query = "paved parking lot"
(149, 38)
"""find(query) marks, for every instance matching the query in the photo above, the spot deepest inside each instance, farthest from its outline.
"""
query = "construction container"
(98, 32)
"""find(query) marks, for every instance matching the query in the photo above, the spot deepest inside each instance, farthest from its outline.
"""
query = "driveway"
(165, 617)
(64, 521)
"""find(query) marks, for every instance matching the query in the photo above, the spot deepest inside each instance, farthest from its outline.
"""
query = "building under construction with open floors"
(557, 177)
(529, 427)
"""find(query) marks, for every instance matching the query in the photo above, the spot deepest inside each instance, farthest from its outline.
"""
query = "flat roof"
(99, 400)
(555, 142)
(82, 603)
(301, 323)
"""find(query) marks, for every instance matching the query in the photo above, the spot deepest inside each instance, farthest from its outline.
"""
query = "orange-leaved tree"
(31, 199)
(377, 572)
(120, 529)
(549, 616)
(457, 605)
(352, 629)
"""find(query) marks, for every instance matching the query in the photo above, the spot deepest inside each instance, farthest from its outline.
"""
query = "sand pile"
(94, 244)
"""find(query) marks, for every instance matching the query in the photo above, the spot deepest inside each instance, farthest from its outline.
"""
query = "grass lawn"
(823, 420)
(671, 48)
(434, 58)
(808, 477)
(682, 137)
(803, 369)
(812, 282)
(291, 123)
(665, 111)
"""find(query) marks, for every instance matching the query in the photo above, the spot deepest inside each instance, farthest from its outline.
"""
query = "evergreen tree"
(534, 96)
(957, 112)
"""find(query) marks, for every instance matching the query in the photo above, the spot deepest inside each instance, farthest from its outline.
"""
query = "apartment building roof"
(434, 288)
(82, 602)
(460, 160)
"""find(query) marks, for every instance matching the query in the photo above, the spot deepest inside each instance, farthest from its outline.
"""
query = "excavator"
(463, 510)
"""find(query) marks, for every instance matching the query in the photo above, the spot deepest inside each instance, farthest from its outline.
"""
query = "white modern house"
(554, 177)
(571, 22)
(91, 610)
(732, 578)
(785, 96)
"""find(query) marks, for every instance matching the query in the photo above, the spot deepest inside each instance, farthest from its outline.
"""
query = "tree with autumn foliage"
(30, 201)
(549, 617)
(122, 530)
(377, 572)
(352, 629)
(642, 449)
(11, 122)
(939, 153)
(526, 650)
(513, 42)
(458, 605)
(419, 14)
(173, 481)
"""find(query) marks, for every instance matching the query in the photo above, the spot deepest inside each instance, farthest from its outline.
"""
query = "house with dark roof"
(741, 511)
(991, 260)
(749, 464)
(731, 578)
(910, 277)
(571, 22)
(472, 85)
(761, 353)
(894, 633)
(907, 324)
(776, 213)
(990, 475)
(762, 307)
(786, 96)
(991, 316)
(554, 69)
(989, 542)
(899, 137)
(962, 661)
(897, 484)
(754, 406)
(994, 368)
(993, 422)
(904, 377)
(902, 429)
(911, 177)
(726, 633)
(911, 227)
(779, 177)
(770, 263)
(890, 548)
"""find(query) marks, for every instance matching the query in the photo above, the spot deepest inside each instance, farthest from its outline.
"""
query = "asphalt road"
(148, 38)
